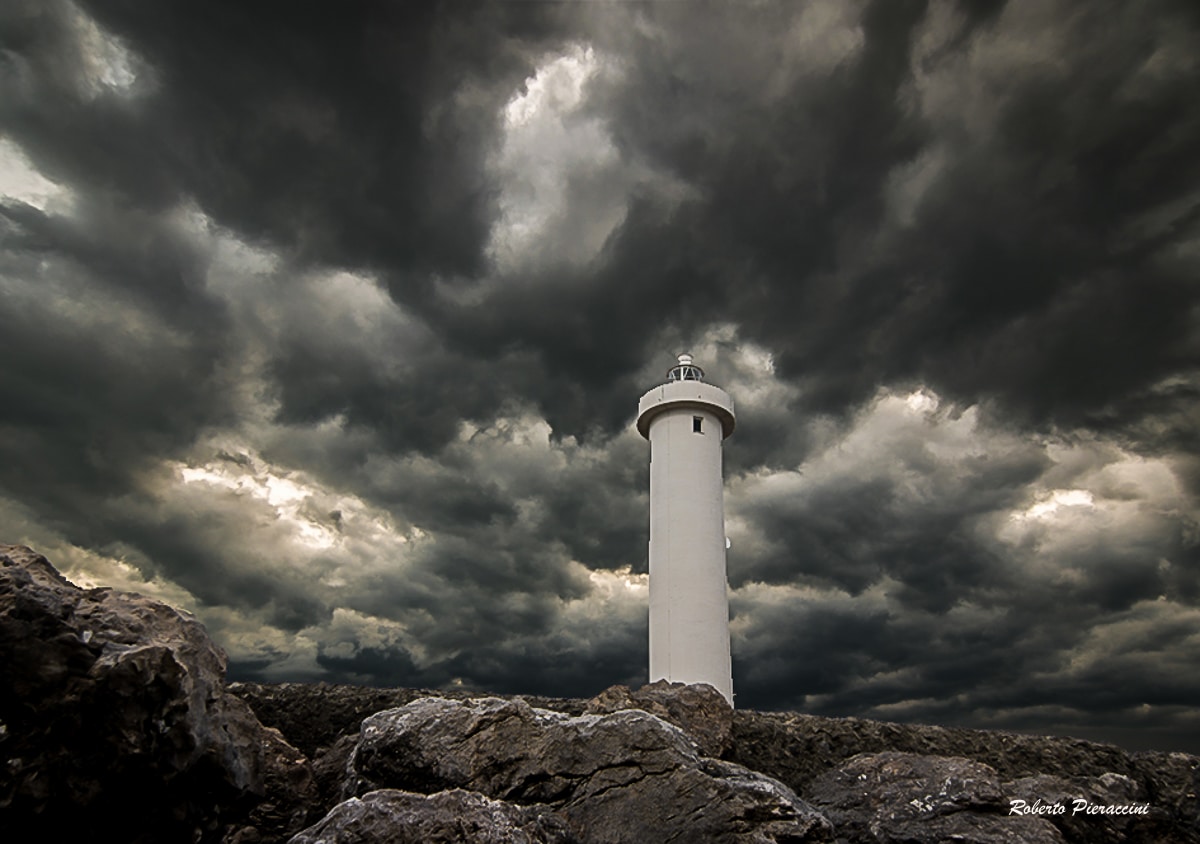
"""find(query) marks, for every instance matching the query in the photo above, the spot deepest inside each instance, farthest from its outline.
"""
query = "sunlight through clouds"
(318, 518)
(547, 143)
(21, 181)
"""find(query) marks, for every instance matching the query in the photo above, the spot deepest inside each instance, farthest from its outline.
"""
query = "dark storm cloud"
(335, 131)
(1024, 272)
(854, 528)
(338, 318)
(102, 352)
(933, 594)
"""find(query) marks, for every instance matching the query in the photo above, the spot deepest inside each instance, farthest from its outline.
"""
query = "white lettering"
(1079, 805)
(1020, 807)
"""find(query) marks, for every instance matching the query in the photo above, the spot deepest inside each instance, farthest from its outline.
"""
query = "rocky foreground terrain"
(116, 724)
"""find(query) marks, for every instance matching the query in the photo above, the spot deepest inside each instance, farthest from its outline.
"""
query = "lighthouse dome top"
(685, 370)
(686, 389)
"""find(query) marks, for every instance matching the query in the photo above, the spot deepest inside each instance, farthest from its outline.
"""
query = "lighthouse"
(686, 420)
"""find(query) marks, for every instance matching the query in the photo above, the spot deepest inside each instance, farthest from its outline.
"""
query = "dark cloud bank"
(328, 322)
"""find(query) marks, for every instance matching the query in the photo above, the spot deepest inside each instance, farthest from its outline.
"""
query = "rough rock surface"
(699, 711)
(1106, 790)
(796, 749)
(627, 776)
(115, 723)
(329, 768)
(390, 816)
(114, 719)
(314, 716)
(886, 797)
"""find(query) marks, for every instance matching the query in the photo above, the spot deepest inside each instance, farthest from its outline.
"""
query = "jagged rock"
(314, 716)
(390, 816)
(114, 719)
(115, 723)
(329, 768)
(627, 776)
(904, 797)
(698, 710)
(1172, 782)
(287, 798)
(797, 749)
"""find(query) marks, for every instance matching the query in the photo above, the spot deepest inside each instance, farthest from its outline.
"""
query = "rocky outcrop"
(115, 722)
(114, 719)
(315, 715)
(700, 711)
(923, 800)
(626, 776)
(1075, 794)
(799, 749)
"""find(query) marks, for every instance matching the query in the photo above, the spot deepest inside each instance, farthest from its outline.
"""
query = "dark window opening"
(697, 423)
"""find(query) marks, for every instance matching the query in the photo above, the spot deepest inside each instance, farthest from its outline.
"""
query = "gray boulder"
(315, 716)
(903, 797)
(698, 710)
(626, 776)
(115, 724)
(389, 816)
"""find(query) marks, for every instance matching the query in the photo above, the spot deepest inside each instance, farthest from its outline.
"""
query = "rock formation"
(906, 797)
(113, 716)
(626, 776)
(116, 723)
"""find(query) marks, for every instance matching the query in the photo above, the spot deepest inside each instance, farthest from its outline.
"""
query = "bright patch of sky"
(1055, 501)
(107, 65)
(20, 180)
(564, 188)
(317, 517)
(555, 90)
(546, 141)
(618, 583)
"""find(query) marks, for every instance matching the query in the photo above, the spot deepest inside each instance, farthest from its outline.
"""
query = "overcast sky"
(328, 322)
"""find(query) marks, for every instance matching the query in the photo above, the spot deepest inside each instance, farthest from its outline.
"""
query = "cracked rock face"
(1105, 790)
(115, 720)
(904, 797)
(625, 776)
(390, 816)
(698, 710)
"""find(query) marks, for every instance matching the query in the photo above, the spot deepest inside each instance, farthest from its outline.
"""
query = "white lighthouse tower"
(686, 419)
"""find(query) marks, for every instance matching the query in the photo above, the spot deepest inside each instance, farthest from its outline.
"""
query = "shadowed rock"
(902, 797)
(314, 716)
(1067, 803)
(389, 816)
(115, 721)
(797, 749)
(627, 776)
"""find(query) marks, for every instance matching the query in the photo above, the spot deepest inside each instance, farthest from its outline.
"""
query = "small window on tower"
(698, 424)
